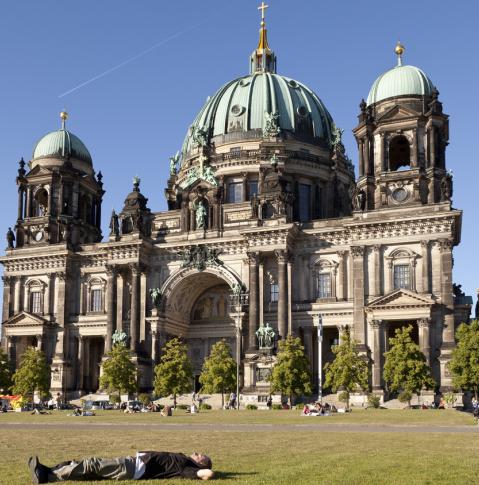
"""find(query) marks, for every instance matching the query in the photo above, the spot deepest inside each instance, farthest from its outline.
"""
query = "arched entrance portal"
(196, 306)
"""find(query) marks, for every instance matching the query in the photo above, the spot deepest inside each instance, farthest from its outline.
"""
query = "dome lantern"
(263, 58)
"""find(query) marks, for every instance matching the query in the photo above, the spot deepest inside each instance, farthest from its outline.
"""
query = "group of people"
(319, 409)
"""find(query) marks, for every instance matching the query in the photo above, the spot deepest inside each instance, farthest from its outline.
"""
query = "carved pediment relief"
(25, 319)
(401, 298)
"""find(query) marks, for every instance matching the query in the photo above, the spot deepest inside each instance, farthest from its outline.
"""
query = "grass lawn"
(261, 456)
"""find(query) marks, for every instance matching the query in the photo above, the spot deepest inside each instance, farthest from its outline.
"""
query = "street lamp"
(320, 358)
(239, 299)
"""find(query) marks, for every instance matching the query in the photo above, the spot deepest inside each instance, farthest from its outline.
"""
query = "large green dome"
(240, 106)
(61, 144)
(400, 81)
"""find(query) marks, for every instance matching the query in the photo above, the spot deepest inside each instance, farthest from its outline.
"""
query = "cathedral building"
(268, 233)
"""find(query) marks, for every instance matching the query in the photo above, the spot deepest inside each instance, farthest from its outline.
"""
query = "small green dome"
(240, 106)
(400, 81)
(61, 144)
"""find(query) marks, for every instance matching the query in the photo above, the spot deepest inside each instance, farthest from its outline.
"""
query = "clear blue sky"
(135, 117)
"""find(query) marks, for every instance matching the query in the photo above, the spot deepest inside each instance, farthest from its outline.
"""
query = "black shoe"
(38, 472)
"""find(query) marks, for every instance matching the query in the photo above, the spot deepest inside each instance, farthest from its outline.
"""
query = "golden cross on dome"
(262, 7)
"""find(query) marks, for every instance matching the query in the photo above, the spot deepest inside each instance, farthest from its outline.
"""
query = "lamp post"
(320, 358)
(239, 299)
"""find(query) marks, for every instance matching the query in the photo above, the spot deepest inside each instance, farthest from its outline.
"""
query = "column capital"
(423, 322)
(136, 268)
(444, 244)
(8, 280)
(376, 324)
(253, 257)
(424, 244)
(61, 275)
(341, 253)
(111, 270)
(281, 255)
(357, 251)
(376, 247)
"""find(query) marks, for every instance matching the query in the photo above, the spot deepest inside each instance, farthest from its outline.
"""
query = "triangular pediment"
(401, 298)
(38, 171)
(25, 319)
(398, 113)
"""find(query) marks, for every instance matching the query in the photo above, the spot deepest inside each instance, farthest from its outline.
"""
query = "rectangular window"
(252, 188)
(273, 293)
(235, 150)
(36, 305)
(402, 276)
(235, 192)
(96, 301)
(304, 202)
(324, 285)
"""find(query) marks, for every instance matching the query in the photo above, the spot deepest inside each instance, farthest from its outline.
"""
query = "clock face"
(38, 236)
(400, 195)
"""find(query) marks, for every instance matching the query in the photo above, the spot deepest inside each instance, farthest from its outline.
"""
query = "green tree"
(119, 372)
(173, 375)
(405, 368)
(219, 371)
(5, 374)
(291, 375)
(33, 374)
(464, 364)
(349, 370)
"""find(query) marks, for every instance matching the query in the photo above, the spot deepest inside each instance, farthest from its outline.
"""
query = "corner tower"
(402, 136)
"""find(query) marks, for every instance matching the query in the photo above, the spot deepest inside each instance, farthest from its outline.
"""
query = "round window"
(237, 110)
(302, 111)
(293, 83)
(400, 194)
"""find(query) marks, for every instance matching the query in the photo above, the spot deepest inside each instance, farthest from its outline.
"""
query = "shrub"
(344, 396)
(405, 396)
(144, 399)
(277, 406)
(450, 399)
(251, 407)
(205, 407)
(182, 406)
(374, 400)
(114, 399)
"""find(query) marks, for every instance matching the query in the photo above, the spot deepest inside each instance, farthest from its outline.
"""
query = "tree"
(5, 374)
(219, 371)
(173, 375)
(291, 375)
(464, 364)
(119, 372)
(349, 370)
(405, 368)
(33, 374)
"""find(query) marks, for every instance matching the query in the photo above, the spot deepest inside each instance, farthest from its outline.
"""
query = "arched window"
(41, 202)
(399, 153)
(402, 264)
(325, 279)
(35, 290)
(95, 295)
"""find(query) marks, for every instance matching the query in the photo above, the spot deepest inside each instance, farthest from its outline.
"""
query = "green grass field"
(265, 455)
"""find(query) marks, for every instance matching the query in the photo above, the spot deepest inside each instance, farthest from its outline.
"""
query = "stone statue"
(446, 189)
(337, 139)
(199, 136)
(155, 295)
(119, 337)
(199, 257)
(209, 176)
(236, 289)
(201, 216)
(265, 336)
(359, 200)
(271, 125)
(173, 163)
(10, 238)
(114, 225)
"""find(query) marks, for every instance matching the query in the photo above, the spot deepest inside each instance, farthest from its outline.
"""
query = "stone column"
(359, 324)
(7, 281)
(135, 306)
(282, 257)
(17, 293)
(20, 202)
(290, 295)
(341, 280)
(388, 279)
(28, 212)
(425, 267)
(39, 342)
(261, 291)
(119, 299)
(376, 283)
(143, 304)
(110, 306)
(308, 345)
(61, 314)
(377, 326)
(47, 297)
(80, 363)
(253, 259)
(361, 158)
(424, 328)
(154, 347)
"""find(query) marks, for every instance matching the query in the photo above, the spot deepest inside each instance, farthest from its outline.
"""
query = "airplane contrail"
(131, 59)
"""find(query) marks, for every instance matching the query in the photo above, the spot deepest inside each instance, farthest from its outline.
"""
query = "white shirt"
(140, 466)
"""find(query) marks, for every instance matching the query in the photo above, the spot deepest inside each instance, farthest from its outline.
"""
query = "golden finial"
(399, 50)
(63, 117)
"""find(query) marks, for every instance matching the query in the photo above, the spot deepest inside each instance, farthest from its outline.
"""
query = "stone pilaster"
(378, 329)
(308, 345)
(39, 338)
(341, 283)
(135, 307)
(359, 327)
(80, 363)
(253, 259)
(375, 289)
(17, 295)
(282, 257)
(110, 306)
(425, 287)
(424, 330)
(7, 282)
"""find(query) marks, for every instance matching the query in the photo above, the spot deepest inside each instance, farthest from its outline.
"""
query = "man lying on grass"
(146, 464)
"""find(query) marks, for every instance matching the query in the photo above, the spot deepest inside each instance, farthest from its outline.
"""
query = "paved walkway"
(331, 428)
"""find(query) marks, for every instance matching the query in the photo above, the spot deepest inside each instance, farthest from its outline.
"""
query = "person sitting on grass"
(146, 465)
